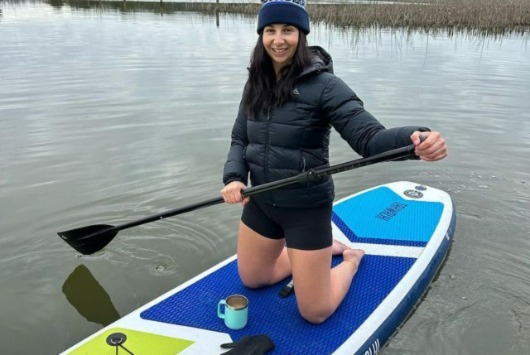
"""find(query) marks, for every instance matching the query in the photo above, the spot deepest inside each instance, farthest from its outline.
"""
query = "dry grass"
(482, 16)
(494, 16)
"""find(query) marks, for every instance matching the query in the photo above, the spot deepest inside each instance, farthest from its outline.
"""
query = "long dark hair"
(262, 89)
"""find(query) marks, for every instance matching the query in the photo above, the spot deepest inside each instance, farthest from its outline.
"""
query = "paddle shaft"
(308, 176)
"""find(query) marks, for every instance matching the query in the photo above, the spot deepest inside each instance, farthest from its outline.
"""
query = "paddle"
(90, 239)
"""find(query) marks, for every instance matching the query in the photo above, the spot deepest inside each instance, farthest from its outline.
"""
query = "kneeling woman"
(290, 102)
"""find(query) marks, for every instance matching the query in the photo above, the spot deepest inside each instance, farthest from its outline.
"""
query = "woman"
(290, 101)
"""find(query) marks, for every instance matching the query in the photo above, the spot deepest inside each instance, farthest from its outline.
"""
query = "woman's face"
(280, 42)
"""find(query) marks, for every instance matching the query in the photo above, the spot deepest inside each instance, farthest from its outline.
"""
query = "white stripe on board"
(388, 250)
(378, 249)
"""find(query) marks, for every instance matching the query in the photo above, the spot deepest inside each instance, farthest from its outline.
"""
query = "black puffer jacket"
(294, 138)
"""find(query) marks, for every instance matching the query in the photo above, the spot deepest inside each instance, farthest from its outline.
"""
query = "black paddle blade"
(90, 239)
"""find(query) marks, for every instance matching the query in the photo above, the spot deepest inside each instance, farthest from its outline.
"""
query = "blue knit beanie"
(290, 12)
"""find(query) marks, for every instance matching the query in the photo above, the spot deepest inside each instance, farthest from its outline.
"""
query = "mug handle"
(221, 305)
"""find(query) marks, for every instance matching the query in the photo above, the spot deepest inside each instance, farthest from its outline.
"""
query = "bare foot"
(338, 248)
(354, 256)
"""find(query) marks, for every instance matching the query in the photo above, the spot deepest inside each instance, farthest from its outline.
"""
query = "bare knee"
(316, 315)
(251, 282)
(253, 279)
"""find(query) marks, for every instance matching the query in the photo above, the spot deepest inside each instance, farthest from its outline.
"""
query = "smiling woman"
(280, 23)
(290, 102)
(280, 42)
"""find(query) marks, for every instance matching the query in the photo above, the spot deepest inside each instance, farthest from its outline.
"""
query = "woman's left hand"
(432, 148)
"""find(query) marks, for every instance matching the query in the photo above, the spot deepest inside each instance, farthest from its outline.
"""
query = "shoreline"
(489, 17)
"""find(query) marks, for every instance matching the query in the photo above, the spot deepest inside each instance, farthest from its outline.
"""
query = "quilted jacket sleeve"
(363, 132)
(235, 168)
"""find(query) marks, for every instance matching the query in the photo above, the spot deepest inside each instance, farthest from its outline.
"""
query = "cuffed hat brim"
(283, 12)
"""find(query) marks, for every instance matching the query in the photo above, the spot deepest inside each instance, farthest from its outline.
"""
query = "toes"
(338, 248)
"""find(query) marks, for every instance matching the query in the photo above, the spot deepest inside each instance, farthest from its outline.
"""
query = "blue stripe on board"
(196, 306)
(354, 238)
(381, 216)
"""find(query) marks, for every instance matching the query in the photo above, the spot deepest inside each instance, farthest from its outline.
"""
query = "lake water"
(109, 116)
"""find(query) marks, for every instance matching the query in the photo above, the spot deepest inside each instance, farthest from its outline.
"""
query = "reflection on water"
(107, 117)
(88, 297)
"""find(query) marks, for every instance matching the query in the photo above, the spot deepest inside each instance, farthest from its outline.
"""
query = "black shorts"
(302, 228)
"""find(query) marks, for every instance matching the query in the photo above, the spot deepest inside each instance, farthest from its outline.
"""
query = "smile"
(279, 50)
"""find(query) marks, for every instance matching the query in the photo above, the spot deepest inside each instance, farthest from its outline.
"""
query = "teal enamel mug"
(234, 311)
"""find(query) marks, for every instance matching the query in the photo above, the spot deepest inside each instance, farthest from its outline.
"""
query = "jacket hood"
(320, 61)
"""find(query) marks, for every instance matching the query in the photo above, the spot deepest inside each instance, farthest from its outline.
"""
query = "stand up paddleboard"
(405, 229)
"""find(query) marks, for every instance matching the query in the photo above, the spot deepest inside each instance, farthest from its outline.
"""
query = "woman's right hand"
(231, 193)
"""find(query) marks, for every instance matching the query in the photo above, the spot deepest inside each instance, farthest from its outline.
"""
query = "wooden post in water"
(217, 12)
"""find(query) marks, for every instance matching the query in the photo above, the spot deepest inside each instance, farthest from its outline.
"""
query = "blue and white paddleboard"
(405, 229)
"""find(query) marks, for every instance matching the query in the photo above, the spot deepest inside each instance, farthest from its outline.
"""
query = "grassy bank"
(477, 16)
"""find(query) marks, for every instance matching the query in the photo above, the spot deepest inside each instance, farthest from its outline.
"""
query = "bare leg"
(354, 256)
(338, 248)
(340, 275)
(261, 261)
(319, 290)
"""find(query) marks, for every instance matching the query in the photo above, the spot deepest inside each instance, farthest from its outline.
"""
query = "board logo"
(373, 349)
(391, 211)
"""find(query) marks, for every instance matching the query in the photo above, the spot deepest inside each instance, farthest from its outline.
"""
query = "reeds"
(492, 16)
(483, 16)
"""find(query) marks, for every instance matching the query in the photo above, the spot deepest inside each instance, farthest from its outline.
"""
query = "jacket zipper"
(267, 143)
(267, 146)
